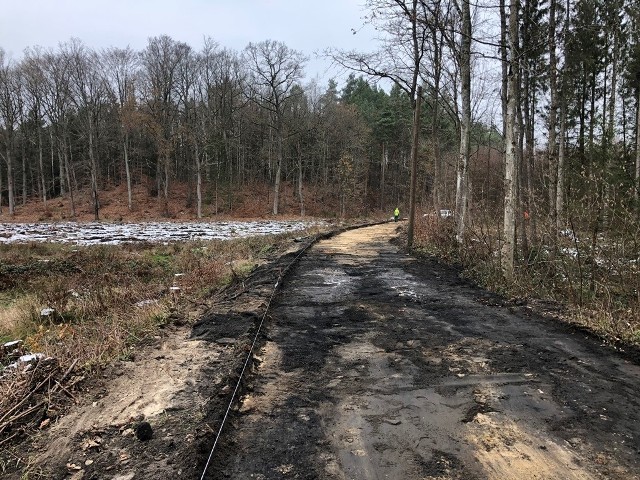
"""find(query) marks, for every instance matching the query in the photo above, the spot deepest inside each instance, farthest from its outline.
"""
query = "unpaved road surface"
(376, 365)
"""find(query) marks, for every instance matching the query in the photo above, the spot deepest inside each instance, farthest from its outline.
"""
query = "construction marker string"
(264, 316)
(249, 355)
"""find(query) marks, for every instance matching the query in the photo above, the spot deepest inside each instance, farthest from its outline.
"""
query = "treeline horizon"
(74, 118)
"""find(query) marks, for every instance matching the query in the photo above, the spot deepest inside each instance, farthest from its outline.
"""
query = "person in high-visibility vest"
(396, 214)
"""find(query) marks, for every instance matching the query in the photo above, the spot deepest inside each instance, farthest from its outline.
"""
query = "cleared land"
(371, 364)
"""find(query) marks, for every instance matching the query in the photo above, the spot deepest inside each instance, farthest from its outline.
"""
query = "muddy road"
(376, 365)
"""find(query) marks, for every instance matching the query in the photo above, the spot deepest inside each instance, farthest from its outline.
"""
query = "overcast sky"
(305, 25)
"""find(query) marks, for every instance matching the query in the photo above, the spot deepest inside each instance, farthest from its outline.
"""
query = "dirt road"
(380, 366)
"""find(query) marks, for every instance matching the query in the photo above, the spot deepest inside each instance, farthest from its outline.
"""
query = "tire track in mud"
(377, 365)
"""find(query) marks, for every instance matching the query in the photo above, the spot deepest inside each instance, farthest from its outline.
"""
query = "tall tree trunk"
(609, 132)
(559, 200)
(43, 183)
(24, 174)
(276, 186)
(552, 158)
(582, 127)
(300, 178)
(127, 169)
(53, 160)
(414, 166)
(165, 184)
(0, 187)
(198, 181)
(63, 175)
(383, 171)
(559, 203)
(504, 63)
(637, 177)
(525, 149)
(531, 171)
(435, 125)
(462, 183)
(71, 181)
(94, 175)
(511, 154)
(10, 179)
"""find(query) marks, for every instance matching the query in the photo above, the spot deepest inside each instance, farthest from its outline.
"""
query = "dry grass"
(599, 286)
(107, 298)
(109, 301)
(11, 314)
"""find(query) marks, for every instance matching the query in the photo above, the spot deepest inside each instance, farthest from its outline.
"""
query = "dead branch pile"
(32, 390)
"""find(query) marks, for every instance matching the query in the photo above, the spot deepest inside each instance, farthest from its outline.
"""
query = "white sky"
(306, 25)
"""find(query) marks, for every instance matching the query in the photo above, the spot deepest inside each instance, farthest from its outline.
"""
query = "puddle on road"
(325, 285)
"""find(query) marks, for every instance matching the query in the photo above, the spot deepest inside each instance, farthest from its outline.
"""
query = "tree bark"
(637, 176)
(43, 183)
(0, 189)
(437, 42)
(300, 179)
(127, 169)
(552, 126)
(24, 175)
(504, 63)
(462, 182)
(70, 179)
(10, 179)
(165, 184)
(198, 181)
(276, 182)
(61, 162)
(511, 155)
(383, 179)
(414, 167)
(94, 174)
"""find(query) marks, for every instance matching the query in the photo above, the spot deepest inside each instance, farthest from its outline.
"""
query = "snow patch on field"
(156, 232)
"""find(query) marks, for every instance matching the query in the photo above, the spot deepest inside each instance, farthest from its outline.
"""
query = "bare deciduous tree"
(88, 89)
(274, 70)
(399, 58)
(160, 61)
(10, 113)
(122, 65)
(35, 88)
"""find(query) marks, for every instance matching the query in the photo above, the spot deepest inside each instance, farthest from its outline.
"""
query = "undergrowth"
(108, 299)
(597, 281)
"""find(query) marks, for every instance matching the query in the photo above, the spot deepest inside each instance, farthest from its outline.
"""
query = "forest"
(522, 117)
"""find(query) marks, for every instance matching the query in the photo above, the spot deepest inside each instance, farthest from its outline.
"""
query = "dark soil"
(380, 365)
